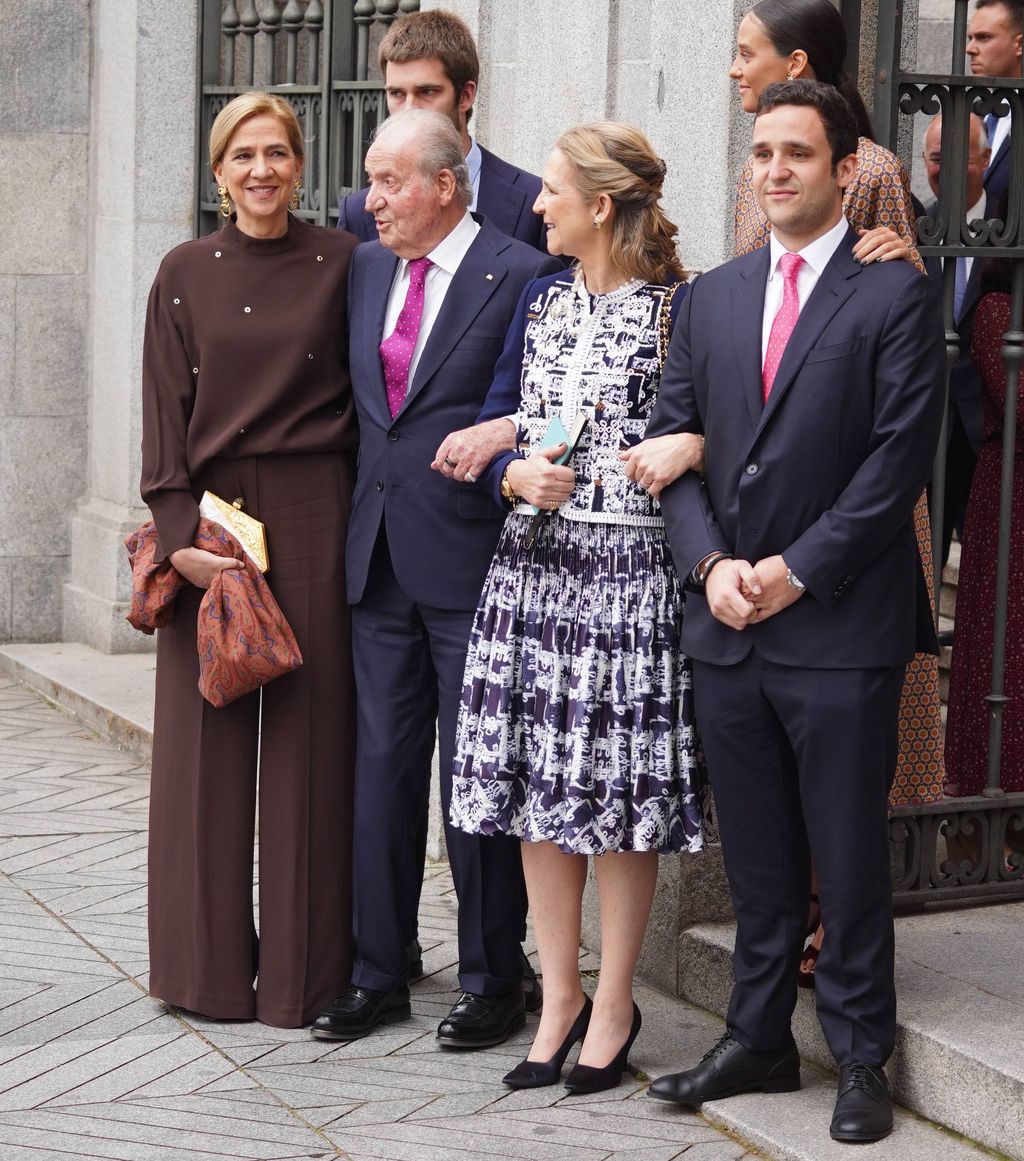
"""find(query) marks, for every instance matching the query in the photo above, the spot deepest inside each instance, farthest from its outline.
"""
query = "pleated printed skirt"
(576, 725)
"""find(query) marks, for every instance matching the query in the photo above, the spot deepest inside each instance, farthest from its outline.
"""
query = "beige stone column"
(140, 198)
(44, 147)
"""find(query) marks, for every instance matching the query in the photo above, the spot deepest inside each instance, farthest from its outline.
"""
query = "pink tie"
(784, 322)
(396, 350)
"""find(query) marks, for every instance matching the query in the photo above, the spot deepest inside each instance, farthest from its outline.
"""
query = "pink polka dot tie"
(784, 322)
(396, 350)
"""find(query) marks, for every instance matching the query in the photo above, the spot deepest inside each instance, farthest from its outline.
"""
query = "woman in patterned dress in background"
(781, 40)
(576, 725)
(970, 679)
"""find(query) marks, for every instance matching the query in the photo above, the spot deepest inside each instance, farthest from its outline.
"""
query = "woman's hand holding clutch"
(539, 481)
(200, 567)
(655, 463)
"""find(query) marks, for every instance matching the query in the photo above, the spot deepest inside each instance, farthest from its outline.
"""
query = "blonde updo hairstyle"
(609, 157)
(243, 108)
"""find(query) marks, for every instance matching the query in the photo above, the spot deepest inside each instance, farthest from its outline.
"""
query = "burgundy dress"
(971, 676)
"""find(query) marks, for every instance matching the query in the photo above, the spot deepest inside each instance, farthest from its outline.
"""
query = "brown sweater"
(245, 354)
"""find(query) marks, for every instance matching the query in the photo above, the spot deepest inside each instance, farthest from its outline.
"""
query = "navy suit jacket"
(964, 384)
(441, 534)
(505, 199)
(997, 176)
(826, 473)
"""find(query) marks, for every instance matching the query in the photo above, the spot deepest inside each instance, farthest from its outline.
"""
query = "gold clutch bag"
(247, 530)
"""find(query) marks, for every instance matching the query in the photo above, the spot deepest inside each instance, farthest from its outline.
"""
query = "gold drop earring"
(225, 201)
(295, 199)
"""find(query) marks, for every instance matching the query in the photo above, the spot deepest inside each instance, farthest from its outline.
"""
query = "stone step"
(959, 1058)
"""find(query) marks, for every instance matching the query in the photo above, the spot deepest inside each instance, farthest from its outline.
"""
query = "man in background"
(994, 50)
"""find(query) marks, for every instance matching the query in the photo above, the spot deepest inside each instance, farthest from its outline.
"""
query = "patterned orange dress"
(879, 195)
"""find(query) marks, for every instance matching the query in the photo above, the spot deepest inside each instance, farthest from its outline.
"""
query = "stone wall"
(44, 144)
(140, 205)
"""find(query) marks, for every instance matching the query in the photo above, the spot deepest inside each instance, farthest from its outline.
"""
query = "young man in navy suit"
(430, 304)
(429, 61)
(994, 39)
(818, 385)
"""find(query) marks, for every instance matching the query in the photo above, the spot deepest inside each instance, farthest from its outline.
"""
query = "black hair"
(833, 109)
(815, 27)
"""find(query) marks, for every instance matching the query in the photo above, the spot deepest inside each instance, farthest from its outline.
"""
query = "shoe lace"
(860, 1076)
(724, 1042)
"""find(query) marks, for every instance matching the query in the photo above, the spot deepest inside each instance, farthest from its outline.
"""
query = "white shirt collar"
(474, 160)
(450, 251)
(816, 254)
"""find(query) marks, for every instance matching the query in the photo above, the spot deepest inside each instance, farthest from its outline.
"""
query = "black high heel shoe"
(538, 1073)
(584, 1078)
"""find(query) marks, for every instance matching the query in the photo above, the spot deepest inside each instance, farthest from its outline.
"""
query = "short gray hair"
(437, 146)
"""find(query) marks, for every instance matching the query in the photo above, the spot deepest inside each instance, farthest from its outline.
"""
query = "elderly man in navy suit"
(430, 304)
(966, 418)
(818, 384)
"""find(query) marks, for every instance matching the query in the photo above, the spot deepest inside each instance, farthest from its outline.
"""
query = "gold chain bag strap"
(665, 323)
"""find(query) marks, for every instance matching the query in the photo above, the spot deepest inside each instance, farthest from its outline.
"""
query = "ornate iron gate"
(321, 57)
(958, 848)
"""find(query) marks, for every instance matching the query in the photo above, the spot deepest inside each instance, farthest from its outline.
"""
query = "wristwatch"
(794, 581)
(507, 494)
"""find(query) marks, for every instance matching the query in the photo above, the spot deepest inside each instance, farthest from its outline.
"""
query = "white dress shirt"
(816, 256)
(976, 211)
(474, 160)
(446, 257)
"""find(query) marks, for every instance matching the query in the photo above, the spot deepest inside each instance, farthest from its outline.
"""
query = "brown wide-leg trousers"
(204, 950)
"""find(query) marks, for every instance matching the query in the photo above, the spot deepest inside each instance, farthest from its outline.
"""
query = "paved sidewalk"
(90, 1066)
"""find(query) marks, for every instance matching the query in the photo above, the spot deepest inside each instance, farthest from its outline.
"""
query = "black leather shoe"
(357, 1011)
(414, 956)
(482, 1021)
(533, 993)
(729, 1069)
(863, 1106)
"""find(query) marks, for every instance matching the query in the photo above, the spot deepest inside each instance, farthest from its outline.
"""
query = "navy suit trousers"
(409, 662)
(801, 761)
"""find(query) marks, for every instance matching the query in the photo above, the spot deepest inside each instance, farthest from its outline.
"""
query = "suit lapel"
(479, 275)
(374, 292)
(747, 308)
(834, 287)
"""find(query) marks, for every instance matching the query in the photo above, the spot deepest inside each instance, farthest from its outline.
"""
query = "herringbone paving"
(91, 1066)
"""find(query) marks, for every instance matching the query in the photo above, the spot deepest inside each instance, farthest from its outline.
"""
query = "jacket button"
(751, 469)
(393, 436)
(380, 485)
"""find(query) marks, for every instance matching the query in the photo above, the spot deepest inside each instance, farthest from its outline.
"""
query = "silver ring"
(450, 463)
(470, 477)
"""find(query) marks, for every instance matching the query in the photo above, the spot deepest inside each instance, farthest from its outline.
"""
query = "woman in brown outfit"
(246, 393)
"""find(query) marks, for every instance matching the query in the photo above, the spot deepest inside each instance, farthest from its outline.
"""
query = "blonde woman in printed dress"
(780, 40)
(576, 726)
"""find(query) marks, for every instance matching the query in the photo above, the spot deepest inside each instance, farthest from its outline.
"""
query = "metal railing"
(321, 56)
(961, 848)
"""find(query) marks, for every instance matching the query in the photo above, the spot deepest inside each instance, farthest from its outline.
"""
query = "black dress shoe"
(728, 1069)
(482, 1021)
(357, 1011)
(586, 1078)
(533, 993)
(538, 1073)
(863, 1106)
(414, 957)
